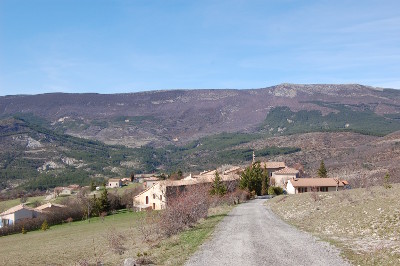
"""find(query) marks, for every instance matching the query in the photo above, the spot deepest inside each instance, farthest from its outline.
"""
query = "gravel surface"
(253, 235)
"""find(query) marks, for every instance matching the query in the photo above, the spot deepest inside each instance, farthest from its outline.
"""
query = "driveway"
(253, 235)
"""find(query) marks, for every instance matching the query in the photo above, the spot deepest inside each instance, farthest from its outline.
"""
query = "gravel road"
(253, 235)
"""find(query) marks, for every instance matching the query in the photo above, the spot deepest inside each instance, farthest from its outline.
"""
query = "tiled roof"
(153, 178)
(114, 180)
(316, 182)
(273, 164)
(15, 209)
(287, 171)
(48, 205)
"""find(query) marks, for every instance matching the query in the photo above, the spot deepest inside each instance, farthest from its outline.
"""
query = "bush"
(45, 226)
(275, 190)
(185, 207)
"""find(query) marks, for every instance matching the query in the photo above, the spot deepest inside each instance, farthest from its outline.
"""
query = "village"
(155, 192)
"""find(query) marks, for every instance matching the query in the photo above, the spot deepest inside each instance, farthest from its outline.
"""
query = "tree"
(386, 182)
(92, 185)
(45, 225)
(264, 185)
(218, 188)
(252, 179)
(132, 176)
(104, 204)
(322, 172)
(180, 173)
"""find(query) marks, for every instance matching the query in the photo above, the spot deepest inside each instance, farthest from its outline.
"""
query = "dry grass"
(364, 223)
(83, 242)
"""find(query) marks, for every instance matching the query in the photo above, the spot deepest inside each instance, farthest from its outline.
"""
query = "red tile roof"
(287, 171)
(272, 165)
(316, 182)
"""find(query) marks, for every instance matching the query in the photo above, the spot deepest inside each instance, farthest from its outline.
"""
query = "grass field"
(363, 223)
(69, 244)
(4, 205)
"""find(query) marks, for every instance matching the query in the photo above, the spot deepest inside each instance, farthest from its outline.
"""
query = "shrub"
(275, 190)
(45, 226)
(184, 208)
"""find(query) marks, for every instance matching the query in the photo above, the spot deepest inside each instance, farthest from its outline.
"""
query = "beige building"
(155, 197)
(114, 182)
(282, 176)
(272, 167)
(301, 185)
(17, 213)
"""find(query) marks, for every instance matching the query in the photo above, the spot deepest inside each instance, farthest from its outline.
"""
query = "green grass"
(363, 223)
(68, 244)
(4, 205)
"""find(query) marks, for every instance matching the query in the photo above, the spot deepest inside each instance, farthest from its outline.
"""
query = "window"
(160, 197)
(154, 196)
(323, 189)
(302, 189)
(147, 199)
(154, 206)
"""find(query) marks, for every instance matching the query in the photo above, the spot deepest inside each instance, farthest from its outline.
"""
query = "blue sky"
(129, 46)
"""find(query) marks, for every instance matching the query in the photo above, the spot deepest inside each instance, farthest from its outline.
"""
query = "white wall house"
(301, 185)
(13, 215)
(114, 182)
(282, 176)
(155, 196)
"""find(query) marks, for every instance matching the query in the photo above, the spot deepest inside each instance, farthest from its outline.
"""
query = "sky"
(139, 45)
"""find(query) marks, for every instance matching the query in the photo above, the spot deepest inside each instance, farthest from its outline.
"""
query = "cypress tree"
(322, 172)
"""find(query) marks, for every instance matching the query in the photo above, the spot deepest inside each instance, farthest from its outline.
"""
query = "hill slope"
(59, 138)
(174, 117)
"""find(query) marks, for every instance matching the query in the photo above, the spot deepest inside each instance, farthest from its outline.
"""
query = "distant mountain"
(160, 118)
(54, 139)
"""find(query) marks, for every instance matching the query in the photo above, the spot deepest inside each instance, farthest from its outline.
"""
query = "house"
(17, 213)
(282, 176)
(301, 185)
(156, 196)
(150, 181)
(114, 182)
(49, 207)
(126, 180)
(272, 167)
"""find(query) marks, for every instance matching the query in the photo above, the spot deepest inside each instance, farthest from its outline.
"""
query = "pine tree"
(218, 188)
(92, 186)
(252, 178)
(386, 182)
(45, 225)
(103, 201)
(322, 172)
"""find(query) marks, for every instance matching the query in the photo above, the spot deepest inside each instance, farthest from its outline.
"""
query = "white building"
(114, 182)
(13, 215)
(282, 176)
(301, 185)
